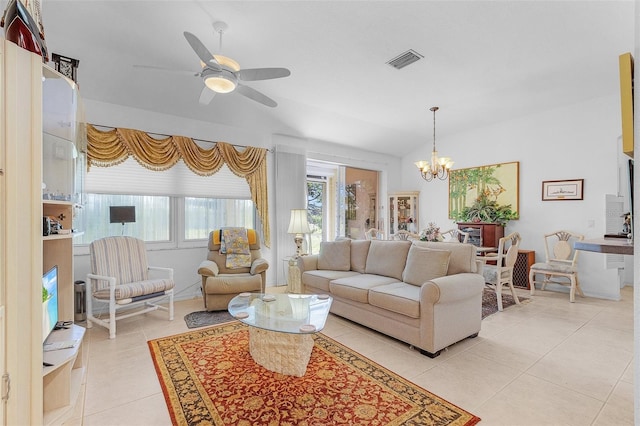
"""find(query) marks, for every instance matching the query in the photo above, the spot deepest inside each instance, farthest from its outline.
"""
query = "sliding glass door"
(342, 202)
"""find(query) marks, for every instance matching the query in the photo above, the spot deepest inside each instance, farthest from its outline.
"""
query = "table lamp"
(299, 225)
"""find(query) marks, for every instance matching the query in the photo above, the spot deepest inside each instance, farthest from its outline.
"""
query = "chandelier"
(437, 167)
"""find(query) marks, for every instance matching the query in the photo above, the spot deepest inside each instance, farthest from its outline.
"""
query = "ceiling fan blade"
(202, 52)
(253, 74)
(255, 95)
(169, 70)
(206, 96)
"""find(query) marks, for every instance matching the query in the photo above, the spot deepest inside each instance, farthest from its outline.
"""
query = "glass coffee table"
(280, 327)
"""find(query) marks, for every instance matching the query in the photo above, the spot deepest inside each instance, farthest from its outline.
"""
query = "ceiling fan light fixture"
(220, 84)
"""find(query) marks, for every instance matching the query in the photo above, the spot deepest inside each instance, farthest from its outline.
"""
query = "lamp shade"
(299, 223)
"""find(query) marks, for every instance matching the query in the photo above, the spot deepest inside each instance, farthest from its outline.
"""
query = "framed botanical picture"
(492, 185)
(562, 190)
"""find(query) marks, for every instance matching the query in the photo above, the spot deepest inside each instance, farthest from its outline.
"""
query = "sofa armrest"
(208, 268)
(308, 263)
(451, 288)
(259, 266)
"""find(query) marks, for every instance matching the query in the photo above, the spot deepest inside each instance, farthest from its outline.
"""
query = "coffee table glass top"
(287, 313)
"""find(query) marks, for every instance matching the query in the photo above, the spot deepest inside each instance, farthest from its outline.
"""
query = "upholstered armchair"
(222, 281)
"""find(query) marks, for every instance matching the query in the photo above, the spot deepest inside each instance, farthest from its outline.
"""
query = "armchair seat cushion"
(140, 288)
(233, 284)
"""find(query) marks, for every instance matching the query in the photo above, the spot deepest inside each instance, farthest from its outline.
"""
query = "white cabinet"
(403, 212)
(21, 230)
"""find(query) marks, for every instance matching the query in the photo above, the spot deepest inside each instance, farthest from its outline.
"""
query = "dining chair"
(498, 267)
(561, 265)
(455, 235)
(373, 234)
(405, 235)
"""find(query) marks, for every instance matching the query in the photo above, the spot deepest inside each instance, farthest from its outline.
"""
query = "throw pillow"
(359, 251)
(387, 258)
(425, 264)
(335, 255)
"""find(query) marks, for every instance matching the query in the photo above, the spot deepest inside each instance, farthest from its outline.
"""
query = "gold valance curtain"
(112, 147)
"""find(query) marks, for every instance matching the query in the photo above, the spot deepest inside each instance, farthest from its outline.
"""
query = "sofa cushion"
(387, 258)
(463, 256)
(335, 255)
(320, 279)
(425, 264)
(357, 287)
(359, 251)
(401, 298)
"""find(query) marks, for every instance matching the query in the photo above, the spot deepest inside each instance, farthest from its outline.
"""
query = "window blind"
(130, 177)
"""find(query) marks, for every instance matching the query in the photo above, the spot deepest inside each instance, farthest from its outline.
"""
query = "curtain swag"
(112, 147)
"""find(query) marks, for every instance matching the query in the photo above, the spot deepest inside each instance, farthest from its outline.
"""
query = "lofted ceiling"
(484, 61)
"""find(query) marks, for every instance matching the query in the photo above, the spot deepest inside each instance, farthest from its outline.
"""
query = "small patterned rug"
(490, 301)
(209, 378)
(205, 318)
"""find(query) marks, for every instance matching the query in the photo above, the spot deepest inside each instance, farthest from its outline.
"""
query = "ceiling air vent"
(404, 59)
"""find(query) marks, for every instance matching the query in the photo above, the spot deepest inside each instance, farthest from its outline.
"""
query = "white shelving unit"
(63, 380)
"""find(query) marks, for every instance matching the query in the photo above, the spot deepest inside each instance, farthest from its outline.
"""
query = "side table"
(294, 277)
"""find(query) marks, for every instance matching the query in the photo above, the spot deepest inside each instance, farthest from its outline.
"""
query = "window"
(202, 215)
(174, 208)
(153, 217)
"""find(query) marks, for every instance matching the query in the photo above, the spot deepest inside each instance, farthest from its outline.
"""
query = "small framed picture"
(562, 190)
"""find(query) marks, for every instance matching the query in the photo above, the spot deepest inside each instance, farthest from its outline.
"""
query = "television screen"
(49, 301)
(122, 214)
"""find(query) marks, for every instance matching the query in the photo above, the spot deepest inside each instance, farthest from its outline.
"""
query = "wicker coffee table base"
(284, 353)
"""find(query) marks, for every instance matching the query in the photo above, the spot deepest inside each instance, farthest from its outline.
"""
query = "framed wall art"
(493, 184)
(562, 190)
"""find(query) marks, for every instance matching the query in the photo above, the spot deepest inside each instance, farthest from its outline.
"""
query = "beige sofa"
(427, 294)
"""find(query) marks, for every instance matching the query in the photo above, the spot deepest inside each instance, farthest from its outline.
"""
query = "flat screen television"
(122, 214)
(49, 302)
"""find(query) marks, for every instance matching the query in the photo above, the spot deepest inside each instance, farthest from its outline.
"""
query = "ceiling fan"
(221, 74)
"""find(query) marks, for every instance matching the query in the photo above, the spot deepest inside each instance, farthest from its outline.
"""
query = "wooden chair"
(561, 266)
(120, 277)
(455, 235)
(501, 273)
(373, 234)
(405, 235)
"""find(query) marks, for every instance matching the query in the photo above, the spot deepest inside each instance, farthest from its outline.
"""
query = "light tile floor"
(545, 362)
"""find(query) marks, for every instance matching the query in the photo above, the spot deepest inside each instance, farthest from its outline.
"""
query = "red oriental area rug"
(209, 378)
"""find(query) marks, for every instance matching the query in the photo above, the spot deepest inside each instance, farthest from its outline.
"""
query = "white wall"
(185, 261)
(574, 142)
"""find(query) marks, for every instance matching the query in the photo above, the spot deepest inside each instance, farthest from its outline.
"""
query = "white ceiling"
(484, 61)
